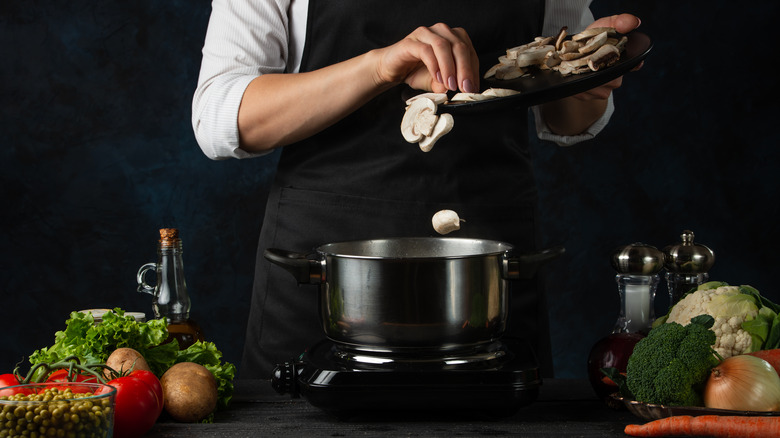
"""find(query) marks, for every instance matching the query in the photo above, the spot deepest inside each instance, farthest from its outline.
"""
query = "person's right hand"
(436, 58)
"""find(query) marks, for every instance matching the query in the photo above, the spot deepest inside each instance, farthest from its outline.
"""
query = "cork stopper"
(169, 237)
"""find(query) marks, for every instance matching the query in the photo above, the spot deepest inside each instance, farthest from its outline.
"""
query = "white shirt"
(247, 38)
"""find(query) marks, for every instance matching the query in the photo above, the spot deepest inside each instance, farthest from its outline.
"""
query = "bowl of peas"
(63, 409)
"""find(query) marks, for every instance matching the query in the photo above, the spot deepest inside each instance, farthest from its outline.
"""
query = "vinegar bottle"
(171, 300)
(638, 266)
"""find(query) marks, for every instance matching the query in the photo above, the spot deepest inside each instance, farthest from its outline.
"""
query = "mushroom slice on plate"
(594, 43)
(593, 31)
(604, 57)
(437, 98)
(468, 97)
(533, 55)
(499, 92)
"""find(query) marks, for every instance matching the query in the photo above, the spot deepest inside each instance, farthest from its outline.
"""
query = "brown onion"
(743, 383)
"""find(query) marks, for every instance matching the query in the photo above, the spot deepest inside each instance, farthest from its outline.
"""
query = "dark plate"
(650, 411)
(546, 85)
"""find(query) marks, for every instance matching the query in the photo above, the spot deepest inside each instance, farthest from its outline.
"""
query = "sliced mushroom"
(561, 37)
(604, 57)
(593, 31)
(409, 124)
(468, 97)
(570, 47)
(499, 92)
(437, 98)
(507, 72)
(594, 43)
(443, 125)
(532, 56)
(446, 221)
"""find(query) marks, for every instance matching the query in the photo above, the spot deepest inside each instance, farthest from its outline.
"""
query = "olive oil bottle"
(170, 291)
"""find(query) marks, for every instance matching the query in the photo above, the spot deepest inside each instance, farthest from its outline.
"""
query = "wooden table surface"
(564, 408)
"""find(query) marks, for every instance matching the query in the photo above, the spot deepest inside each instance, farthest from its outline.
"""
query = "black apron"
(359, 179)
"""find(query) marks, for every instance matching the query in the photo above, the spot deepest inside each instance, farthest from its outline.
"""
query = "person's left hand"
(623, 23)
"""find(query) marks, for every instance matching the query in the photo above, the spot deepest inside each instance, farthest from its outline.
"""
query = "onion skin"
(743, 383)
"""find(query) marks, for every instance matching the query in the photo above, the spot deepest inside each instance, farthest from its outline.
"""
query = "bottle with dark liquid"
(171, 300)
(638, 266)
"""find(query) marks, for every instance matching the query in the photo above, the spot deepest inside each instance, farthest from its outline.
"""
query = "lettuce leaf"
(93, 343)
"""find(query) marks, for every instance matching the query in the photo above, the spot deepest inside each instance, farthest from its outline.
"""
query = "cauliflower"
(729, 306)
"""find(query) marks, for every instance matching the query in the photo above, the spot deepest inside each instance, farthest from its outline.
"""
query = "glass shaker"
(687, 264)
(638, 266)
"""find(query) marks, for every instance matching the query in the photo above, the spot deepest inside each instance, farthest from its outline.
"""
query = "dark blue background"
(98, 154)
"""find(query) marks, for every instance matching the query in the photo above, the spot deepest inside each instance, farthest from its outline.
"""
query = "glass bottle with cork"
(170, 292)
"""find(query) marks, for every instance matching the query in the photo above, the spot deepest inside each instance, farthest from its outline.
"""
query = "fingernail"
(452, 83)
(438, 77)
(468, 86)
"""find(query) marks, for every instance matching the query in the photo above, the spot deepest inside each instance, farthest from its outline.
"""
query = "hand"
(623, 23)
(436, 58)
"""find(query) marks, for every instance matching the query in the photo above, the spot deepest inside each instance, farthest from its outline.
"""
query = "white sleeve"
(577, 16)
(244, 39)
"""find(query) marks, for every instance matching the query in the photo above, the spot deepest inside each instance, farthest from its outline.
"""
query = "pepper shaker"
(687, 265)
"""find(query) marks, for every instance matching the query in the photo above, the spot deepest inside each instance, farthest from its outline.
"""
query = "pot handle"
(302, 268)
(524, 266)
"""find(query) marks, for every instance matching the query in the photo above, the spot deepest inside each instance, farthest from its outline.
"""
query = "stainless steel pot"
(402, 294)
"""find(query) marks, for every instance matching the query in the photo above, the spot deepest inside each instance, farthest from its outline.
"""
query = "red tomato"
(61, 376)
(154, 382)
(10, 380)
(136, 406)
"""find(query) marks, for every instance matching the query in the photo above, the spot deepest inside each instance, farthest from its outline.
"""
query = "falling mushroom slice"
(410, 124)
(443, 126)
(446, 221)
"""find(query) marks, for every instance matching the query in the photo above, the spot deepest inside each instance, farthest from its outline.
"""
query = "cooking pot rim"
(417, 248)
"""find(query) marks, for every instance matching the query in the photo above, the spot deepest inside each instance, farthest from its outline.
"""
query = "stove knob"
(284, 379)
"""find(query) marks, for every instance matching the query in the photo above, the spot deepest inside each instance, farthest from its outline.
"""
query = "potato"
(124, 360)
(189, 391)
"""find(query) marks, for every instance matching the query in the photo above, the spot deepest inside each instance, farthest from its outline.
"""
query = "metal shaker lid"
(687, 257)
(638, 259)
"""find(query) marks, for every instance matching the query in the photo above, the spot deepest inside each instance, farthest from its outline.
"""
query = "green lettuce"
(93, 343)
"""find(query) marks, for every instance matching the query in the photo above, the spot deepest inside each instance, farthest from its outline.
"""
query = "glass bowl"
(57, 409)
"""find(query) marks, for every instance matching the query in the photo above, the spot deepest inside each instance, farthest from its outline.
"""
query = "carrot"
(709, 425)
(771, 356)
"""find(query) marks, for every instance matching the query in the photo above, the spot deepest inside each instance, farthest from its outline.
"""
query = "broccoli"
(671, 364)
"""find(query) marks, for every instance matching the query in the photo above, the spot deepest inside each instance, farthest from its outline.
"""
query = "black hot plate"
(494, 381)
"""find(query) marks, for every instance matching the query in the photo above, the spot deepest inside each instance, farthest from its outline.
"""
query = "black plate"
(650, 411)
(547, 85)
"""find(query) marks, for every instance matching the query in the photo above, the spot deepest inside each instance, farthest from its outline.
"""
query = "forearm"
(280, 109)
(572, 115)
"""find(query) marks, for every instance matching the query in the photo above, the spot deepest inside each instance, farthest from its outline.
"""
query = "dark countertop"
(564, 408)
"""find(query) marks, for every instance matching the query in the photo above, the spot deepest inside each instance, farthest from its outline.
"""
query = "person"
(325, 82)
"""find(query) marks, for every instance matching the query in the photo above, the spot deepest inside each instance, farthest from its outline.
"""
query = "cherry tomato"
(11, 380)
(61, 376)
(136, 406)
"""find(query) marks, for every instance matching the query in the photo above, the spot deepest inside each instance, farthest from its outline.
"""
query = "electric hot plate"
(494, 380)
